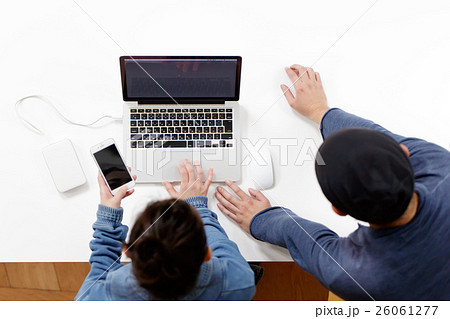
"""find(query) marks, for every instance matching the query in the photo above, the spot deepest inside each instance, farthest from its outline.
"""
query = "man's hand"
(310, 99)
(243, 208)
(190, 185)
(110, 200)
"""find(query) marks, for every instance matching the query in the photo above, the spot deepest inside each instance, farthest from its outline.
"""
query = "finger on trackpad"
(171, 160)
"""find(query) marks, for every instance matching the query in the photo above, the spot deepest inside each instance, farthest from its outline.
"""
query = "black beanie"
(366, 175)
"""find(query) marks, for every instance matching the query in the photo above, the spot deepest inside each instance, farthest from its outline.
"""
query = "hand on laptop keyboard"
(191, 185)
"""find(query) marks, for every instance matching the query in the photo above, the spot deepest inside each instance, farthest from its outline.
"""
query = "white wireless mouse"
(261, 173)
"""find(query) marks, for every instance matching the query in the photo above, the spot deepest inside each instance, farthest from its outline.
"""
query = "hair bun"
(150, 247)
(168, 249)
(159, 262)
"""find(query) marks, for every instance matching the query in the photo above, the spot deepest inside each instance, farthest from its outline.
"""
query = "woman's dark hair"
(167, 247)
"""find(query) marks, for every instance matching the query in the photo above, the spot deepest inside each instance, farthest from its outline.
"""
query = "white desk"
(392, 67)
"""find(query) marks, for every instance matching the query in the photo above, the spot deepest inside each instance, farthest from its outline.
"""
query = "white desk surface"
(392, 67)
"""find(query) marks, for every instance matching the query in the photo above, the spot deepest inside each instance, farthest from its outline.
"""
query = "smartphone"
(112, 166)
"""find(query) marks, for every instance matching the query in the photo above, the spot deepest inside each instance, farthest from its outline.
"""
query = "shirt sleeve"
(239, 276)
(106, 247)
(429, 161)
(313, 246)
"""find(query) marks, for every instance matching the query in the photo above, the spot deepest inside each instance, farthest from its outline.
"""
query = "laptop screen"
(180, 78)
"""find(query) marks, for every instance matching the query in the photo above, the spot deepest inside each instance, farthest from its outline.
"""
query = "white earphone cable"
(49, 103)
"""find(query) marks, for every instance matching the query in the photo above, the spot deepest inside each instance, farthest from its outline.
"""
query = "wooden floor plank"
(71, 275)
(18, 294)
(287, 281)
(333, 297)
(61, 281)
(32, 276)
(4, 281)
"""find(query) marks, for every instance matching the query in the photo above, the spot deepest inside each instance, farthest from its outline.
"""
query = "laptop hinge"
(202, 101)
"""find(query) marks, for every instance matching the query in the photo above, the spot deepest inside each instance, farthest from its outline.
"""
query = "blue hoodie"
(227, 276)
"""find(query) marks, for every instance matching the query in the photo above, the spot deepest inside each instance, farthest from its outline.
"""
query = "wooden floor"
(61, 281)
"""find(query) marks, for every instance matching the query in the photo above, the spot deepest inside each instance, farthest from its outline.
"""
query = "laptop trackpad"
(172, 158)
(224, 163)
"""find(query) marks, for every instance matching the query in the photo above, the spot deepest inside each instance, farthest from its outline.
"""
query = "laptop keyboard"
(181, 128)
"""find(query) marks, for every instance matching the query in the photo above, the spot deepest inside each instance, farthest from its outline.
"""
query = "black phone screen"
(112, 167)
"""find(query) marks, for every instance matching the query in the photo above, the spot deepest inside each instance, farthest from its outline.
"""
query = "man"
(399, 185)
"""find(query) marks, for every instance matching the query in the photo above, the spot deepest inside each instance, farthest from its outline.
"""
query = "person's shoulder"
(122, 285)
(235, 275)
(237, 280)
(432, 215)
(442, 189)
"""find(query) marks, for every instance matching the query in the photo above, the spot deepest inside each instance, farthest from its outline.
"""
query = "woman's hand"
(110, 200)
(190, 185)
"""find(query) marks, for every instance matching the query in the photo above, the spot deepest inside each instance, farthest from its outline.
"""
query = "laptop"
(179, 107)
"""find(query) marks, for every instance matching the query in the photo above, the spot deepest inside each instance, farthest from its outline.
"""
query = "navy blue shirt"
(410, 262)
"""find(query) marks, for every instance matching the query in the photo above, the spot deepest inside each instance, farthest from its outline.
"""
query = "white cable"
(48, 102)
